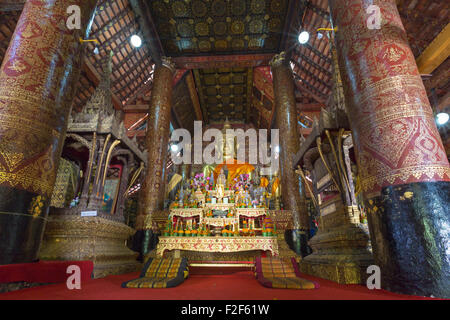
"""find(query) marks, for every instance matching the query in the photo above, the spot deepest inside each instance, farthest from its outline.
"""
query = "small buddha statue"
(240, 197)
(220, 185)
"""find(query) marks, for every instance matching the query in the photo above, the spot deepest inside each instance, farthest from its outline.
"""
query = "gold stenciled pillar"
(157, 139)
(403, 169)
(37, 84)
(286, 121)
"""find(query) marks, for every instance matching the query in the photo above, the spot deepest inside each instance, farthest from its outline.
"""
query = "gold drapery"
(275, 185)
(264, 182)
(234, 170)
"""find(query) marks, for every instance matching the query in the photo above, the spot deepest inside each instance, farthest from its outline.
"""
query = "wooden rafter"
(137, 108)
(249, 93)
(292, 25)
(323, 13)
(312, 63)
(194, 96)
(312, 75)
(317, 52)
(310, 89)
(310, 107)
(436, 53)
(200, 94)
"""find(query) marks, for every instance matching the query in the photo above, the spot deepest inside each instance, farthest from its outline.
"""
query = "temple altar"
(218, 215)
(218, 244)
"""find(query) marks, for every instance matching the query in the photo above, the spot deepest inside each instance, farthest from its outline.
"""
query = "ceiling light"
(277, 149)
(303, 37)
(442, 118)
(136, 41)
(319, 35)
(174, 148)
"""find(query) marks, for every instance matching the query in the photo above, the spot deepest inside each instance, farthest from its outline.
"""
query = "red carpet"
(238, 286)
(43, 271)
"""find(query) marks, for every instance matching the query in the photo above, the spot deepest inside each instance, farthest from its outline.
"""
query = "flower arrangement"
(200, 181)
(242, 180)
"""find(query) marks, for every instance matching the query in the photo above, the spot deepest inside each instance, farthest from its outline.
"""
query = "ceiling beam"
(443, 103)
(94, 76)
(317, 52)
(293, 21)
(201, 96)
(321, 12)
(12, 5)
(137, 108)
(312, 63)
(312, 75)
(143, 89)
(439, 77)
(310, 107)
(308, 90)
(436, 52)
(249, 93)
(223, 61)
(194, 96)
(142, 12)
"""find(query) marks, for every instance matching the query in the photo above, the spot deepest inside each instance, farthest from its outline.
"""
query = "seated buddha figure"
(220, 186)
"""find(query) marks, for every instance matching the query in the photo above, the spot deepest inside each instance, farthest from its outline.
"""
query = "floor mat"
(281, 274)
(160, 273)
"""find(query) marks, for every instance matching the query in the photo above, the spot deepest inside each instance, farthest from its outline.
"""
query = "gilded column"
(157, 139)
(403, 168)
(37, 85)
(286, 121)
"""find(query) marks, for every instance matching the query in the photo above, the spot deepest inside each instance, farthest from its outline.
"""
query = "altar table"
(217, 244)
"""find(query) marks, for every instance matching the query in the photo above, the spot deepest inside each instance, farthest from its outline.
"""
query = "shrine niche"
(99, 166)
(223, 212)
(341, 249)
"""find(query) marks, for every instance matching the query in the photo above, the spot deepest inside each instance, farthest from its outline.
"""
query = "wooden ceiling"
(225, 92)
(220, 40)
(219, 26)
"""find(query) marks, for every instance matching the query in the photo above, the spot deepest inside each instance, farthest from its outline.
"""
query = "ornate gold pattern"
(90, 238)
(286, 121)
(158, 138)
(396, 138)
(197, 27)
(218, 244)
(34, 101)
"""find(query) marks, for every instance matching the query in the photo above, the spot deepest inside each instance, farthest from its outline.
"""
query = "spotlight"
(303, 37)
(442, 118)
(136, 41)
(174, 148)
